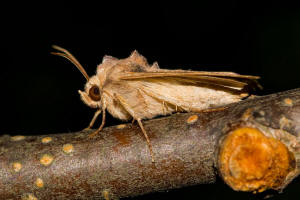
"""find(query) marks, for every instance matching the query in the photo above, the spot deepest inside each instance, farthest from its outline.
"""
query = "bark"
(239, 143)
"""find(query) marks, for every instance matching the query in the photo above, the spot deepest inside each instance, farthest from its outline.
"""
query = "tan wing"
(224, 80)
(166, 72)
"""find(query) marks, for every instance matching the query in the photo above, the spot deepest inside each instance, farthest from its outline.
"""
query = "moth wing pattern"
(188, 90)
(226, 79)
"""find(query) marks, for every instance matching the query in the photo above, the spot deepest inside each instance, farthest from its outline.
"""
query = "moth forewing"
(132, 89)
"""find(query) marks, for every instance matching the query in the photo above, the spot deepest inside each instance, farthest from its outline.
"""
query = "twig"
(253, 145)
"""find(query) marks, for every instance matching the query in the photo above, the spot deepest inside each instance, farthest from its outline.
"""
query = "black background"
(39, 91)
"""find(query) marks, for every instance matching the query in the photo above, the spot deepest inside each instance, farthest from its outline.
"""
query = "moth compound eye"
(94, 93)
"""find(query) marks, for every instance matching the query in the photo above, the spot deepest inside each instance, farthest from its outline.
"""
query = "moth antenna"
(66, 54)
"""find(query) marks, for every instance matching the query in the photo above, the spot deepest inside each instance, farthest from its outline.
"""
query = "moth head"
(91, 95)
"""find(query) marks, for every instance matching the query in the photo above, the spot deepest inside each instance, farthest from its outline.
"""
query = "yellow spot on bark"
(68, 148)
(46, 140)
(29, 196)
(105, 194)
(46, 159)
(17, 166)
(121, 126)
(39, 182)
(242, 95)
(192, 119)
(288, 102)
(17, 138)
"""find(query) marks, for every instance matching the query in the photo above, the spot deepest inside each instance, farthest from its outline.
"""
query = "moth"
(130, 88)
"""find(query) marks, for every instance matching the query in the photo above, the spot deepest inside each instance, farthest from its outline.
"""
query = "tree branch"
(253, 144)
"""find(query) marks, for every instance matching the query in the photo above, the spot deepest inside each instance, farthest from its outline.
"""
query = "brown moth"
(130, 88)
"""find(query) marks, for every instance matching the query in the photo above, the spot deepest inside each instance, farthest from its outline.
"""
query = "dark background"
(39, 91)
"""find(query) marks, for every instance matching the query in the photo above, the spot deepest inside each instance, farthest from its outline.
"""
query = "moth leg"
(164, 107)
(101, 126)
(147, 138)
(131, 112)
(97, 113)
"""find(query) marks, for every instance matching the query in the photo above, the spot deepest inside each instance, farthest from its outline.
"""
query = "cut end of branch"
(250, 161)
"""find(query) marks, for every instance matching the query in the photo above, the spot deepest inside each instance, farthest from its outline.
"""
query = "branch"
(253, 144)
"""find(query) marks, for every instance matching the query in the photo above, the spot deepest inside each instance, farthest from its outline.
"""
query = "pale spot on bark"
(121, 126)
(17, 138)
(39, 182)
(46, 140)
(17, 166)
(29, 196)
(68, 148)
(192, 119)
(288, 102)
(285, 122)
(46, 159)
(106, 194)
